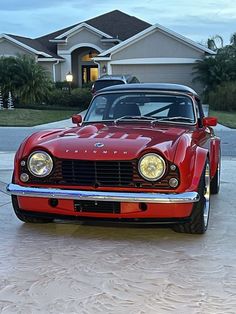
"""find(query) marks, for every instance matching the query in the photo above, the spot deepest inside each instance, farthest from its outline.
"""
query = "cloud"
(197, 20)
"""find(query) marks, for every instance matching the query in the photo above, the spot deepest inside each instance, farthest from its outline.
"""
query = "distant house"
(112, 43)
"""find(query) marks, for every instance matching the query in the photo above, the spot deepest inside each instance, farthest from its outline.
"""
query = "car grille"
(97, 173)
(101, 174)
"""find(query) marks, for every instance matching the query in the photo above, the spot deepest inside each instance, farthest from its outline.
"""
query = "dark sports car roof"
(150, 86)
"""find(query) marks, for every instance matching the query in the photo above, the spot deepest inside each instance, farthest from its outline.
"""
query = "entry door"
(89, 73)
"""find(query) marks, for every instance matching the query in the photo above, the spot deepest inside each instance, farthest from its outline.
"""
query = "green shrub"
(78, 98)
(82, 95)
(88, 85)
(223, 97)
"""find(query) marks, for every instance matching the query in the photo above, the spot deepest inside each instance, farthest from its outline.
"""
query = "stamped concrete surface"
(65, 267)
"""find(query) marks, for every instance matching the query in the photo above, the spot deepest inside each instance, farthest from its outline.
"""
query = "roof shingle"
(115, 23)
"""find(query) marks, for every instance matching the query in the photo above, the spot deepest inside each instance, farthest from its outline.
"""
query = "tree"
(25, 78)
(31, 80)
(6, 74)
(212, 71)
(233, 40)
(215, 42)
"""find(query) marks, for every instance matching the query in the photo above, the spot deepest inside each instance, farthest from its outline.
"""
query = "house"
(112, 43)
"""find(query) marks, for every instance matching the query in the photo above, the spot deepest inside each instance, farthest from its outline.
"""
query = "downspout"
(54, 70)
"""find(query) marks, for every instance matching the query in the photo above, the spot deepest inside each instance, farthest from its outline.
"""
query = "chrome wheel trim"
(207, 195)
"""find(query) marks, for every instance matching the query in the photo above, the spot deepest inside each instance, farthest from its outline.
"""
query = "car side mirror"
(209, 121)
(76, 119)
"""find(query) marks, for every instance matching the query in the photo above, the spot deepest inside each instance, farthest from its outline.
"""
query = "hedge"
(223, 97)
(78, 98)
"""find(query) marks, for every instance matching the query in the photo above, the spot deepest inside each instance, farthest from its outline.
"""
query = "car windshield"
(151, 107)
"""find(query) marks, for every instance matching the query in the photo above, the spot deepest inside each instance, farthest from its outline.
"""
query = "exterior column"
(66, 66)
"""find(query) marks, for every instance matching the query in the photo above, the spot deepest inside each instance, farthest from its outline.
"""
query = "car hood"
(102, 142)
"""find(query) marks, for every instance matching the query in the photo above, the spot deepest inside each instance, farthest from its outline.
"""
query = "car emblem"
(98, 144)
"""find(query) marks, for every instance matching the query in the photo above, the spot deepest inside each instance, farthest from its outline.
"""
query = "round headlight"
(40, 164)
(152, 167)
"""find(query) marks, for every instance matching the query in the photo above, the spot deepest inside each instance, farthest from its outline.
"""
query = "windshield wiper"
(134, 118)
(173, 119)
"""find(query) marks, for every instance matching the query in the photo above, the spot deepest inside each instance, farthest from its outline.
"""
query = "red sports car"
(144, 153)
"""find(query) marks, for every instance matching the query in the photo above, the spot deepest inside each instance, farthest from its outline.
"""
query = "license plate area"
(97, 207)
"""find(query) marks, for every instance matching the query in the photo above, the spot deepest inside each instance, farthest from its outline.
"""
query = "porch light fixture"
(69, 79)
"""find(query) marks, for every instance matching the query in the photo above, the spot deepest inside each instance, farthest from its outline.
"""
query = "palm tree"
(233, 40)
(22, 75)
(215, 42)
(31, 81)
(6, 74)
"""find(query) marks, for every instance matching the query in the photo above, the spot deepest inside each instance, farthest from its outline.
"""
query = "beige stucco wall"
(48, 66)
(84, 36)
(10, 49)
(164, 73)
(158, 45)
(53, 68)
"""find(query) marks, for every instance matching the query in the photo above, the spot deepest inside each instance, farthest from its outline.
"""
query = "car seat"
(126, 109)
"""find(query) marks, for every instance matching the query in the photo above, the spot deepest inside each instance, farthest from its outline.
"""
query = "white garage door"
(171, 73)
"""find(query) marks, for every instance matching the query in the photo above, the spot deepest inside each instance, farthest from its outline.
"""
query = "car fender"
(191, 159)
(215, 155)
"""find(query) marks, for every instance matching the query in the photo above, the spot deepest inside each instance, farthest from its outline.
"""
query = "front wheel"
(201, 209)
(26, 217)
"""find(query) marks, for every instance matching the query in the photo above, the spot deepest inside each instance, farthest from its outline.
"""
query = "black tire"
(215, 182)
(26, 217)
(201, 209)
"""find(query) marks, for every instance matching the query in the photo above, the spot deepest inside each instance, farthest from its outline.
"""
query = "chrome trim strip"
(130, 197)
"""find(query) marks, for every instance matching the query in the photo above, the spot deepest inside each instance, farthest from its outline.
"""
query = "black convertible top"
(150, 86)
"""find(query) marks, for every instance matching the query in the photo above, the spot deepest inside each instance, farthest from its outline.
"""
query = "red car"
(148, 155)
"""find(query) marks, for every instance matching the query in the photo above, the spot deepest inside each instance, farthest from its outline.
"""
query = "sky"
(197, 20)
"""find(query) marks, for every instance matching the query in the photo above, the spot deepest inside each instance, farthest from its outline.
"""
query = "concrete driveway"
(66, 267)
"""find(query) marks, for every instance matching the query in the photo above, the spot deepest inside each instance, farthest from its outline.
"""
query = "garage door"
(152, 73)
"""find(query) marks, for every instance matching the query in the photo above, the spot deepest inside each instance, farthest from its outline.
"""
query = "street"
(12, 137)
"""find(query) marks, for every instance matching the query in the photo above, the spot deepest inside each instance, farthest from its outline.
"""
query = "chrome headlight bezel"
(48, 162)
(160, 159)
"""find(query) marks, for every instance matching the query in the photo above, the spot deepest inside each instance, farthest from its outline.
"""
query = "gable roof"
(113, 24)
(29, 44)
(149, 30)
(80, 26)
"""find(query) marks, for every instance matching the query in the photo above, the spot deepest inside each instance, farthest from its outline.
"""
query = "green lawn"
(226, 118)
(31, 117)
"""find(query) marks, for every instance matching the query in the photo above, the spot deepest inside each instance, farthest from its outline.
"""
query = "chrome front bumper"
(129, 197)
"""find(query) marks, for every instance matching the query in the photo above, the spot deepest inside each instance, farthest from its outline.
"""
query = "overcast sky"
(196, 20)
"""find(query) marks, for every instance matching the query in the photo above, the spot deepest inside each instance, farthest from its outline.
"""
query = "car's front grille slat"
(97, 173)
